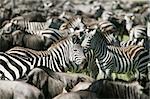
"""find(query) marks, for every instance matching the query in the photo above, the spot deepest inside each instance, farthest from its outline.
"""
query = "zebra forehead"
(91, 32)
(77, 46)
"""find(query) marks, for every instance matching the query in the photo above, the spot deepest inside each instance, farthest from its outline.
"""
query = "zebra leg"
(108, 73)
(100, 73)
(94, 72)
(136, 74)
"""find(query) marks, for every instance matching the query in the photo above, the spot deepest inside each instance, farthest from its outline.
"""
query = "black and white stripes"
(66, 55)
(116, 59)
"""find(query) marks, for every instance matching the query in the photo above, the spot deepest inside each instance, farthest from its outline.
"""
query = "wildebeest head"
(5, 42)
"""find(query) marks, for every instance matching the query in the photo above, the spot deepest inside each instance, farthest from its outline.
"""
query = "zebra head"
(86, 43)
(7, 28)
(93, 39)
(76, 54)
(74, 24)
(109, 30)
(107, 15)
(138, 32)
(129, 18)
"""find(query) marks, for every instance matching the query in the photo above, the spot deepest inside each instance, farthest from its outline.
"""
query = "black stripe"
(23, 62)
(15, 64)
(4, 64)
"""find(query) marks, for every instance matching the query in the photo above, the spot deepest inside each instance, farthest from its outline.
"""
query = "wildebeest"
(81, 86)
(82, 94)
(19, 90)
(117, 89)
(53, 83)
(21, 38)
(5, 42)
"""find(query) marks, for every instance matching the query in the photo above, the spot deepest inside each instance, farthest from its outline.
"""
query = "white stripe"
(6, 73)
(10, 66)
(57, 66)
(21, 65)
(44, 64)
(39, 60)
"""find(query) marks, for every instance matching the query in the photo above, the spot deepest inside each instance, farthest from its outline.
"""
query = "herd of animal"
(63, 49)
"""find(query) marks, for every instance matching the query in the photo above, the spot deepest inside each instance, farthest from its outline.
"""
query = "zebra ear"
(14, 21)
(75, 39)
(79, 19)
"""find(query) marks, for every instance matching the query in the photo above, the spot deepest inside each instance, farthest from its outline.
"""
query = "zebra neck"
(99, 45)
(101, 51)
(129, 26)
(60, 57)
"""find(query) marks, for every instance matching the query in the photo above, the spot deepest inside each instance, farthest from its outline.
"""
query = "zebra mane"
(59, 41)
(107, 27)
(73, 20)
(102, 36)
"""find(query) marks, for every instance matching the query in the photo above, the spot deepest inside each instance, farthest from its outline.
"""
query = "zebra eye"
(75, 50)
(91, 30)
(8, 30)
(81, 34)
(77, 28)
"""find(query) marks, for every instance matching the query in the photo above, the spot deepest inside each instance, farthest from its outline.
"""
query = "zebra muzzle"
(83, 65)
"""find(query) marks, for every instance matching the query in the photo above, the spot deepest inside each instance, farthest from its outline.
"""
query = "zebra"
(139, 42)
(74, 24)
(11, 27)
(30, 27)
(50, 35)
(116, 59)
(64, 56)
